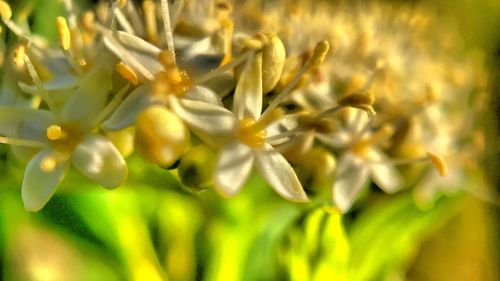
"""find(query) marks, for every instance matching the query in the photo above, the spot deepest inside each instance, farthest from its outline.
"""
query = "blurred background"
(153, 229)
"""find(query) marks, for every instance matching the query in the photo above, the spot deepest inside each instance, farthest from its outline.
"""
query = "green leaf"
(387, 234)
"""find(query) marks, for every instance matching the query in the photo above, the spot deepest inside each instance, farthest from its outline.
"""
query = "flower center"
(248, 133)
(252, 133)
(171, 81)
(64, 138)
(362, 147)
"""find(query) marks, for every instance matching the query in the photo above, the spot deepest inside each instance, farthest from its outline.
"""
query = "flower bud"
(273, 62)
(196, 168)
(317, 169)
(161, 137)
(123, 140)
(5, 11)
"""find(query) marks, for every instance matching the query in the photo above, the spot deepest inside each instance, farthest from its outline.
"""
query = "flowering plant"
(199, 94)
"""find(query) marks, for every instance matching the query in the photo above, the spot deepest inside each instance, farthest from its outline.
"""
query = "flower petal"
(203, 94)
(282, 126)
(248, 94)
(205, 117)
(25, 123)
(276, 170)
(233, 168)
(98, 159)
(336, 140)
(383, 173)
(137, 44)
(145, 65)
(89, 99)
(222, 84)
(352, 174)
(126, 114)
(38, 185)
(200, 57)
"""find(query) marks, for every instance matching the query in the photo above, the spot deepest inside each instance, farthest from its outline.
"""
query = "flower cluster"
(310, 95)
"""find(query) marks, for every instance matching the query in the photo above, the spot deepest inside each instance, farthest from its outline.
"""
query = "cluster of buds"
(310, 95)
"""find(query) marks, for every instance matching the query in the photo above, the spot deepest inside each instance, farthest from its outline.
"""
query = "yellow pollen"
(54, 132)
(319, 53)
(438, 163)
(171, 81)
(64, 34)
(127, 73)
(5, 11)
(19, 55)
(248, 135)
(48, 163)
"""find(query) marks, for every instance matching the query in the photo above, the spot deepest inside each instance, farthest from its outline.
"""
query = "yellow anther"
(54, 132)
(122, 3)
(149, 9)
(64, 34)
(83, 63)
(438, 163)
(319, 53)
(19, 55)
(357, 100)
(126, 72)
(48, 163)
(88, 21)
(224, 6)
(5, 11)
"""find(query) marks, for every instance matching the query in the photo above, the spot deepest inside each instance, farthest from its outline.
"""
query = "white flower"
(246, 145)
(360, 160)
(65, 138)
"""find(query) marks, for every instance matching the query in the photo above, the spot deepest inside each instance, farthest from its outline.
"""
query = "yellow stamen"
(228, 30)
(438, 163)
(268, 119)
(122, 3)
(126, 72)
(5, 11)
(171, 81)
(88, 21)
(357, 100)
(54, 132)
(319, 53)
(19, 54)
(64, 34)
(149, 9)
(166, 59)
(48, 163)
